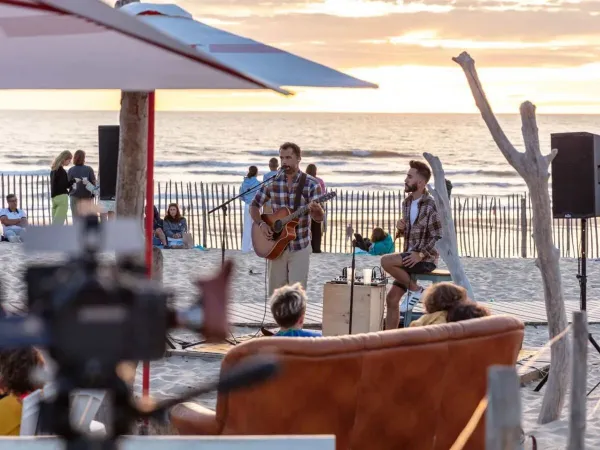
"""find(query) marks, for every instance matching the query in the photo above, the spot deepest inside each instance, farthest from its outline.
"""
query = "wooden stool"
(437, 276)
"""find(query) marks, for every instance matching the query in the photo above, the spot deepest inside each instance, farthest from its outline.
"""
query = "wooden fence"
(486, 227)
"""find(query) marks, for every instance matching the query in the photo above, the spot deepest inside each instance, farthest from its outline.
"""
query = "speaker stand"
(582, 277)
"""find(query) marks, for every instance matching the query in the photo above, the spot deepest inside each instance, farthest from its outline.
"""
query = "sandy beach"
(503, 280)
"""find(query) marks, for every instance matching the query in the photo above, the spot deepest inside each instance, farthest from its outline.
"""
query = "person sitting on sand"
(175, 228)
(448, 302)
(288, 307)
(15, 370)
(159, 237)
(14, 220)
(381, 243)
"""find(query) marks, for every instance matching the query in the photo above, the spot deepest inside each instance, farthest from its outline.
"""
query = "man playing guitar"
(292, 266)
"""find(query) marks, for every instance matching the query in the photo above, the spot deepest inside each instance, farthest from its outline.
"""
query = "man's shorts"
(420, 267)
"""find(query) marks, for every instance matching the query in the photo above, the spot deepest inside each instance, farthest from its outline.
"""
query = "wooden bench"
(437, 276)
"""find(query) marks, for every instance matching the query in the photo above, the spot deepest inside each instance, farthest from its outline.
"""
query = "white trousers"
(247, 232)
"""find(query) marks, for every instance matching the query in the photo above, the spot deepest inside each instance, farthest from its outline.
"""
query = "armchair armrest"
(193, 419)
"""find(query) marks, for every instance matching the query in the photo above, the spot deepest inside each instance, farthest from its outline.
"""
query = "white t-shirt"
(414, 210)
(18, 214)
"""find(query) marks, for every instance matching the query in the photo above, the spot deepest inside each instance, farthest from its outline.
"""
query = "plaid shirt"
(277, 191)
(427, 229)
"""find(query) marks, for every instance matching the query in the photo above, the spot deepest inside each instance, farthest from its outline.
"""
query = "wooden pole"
(503, 418)
(523, 227)
(577, 414)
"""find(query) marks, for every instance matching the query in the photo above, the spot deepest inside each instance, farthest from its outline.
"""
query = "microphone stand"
(352, 285)
(223, 207)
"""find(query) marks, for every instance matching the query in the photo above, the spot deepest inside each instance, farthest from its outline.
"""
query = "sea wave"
(200, 164)
(338, 153)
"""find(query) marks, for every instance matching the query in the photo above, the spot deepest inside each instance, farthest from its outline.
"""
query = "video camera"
(92, 317)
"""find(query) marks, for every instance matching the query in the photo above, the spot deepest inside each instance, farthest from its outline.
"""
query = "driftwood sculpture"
(447, 246)
(533, 167)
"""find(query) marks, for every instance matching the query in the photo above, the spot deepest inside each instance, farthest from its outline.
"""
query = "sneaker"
(410, 300)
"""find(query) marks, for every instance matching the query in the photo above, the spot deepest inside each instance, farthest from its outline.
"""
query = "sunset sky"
(546, 51)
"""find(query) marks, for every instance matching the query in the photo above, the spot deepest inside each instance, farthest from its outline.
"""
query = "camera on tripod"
(91, 317)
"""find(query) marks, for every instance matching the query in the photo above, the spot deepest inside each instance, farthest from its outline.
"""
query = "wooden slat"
(531, 313)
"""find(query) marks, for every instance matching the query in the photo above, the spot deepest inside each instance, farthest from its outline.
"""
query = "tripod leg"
(539, 387)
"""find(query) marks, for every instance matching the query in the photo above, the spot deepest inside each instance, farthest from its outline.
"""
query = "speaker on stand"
(576, 195)
(108, 158)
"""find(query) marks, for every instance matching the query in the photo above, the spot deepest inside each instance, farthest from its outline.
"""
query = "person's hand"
(266, 230)
(401, 225)
(314, 207)
(177, 235)
(412, 259)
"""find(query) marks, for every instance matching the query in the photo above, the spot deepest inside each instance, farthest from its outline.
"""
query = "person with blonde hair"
(60, 187)
(288, 307)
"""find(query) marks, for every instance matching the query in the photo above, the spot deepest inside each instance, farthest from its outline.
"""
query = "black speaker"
(108, 156)
(575, 175)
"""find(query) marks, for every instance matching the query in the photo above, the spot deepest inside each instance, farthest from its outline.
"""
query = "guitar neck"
(294, 215)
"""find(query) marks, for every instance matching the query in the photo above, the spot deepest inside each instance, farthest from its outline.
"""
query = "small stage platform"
(531, 313)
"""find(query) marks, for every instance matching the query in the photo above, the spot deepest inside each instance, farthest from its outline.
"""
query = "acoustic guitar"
(283, 222)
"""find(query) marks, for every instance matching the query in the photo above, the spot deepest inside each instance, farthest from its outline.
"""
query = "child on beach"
(381, 243)
(288, 306)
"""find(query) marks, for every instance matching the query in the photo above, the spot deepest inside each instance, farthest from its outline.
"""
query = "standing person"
(316, 228)
(273, 170)
(60, 187)
(13, 220)
(250, 181)
(293, 264)
(82, 175)
(421, 228)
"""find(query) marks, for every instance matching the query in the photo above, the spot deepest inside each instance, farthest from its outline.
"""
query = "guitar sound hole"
(277, 227)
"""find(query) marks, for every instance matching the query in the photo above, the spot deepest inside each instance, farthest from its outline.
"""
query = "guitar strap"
(299, 191)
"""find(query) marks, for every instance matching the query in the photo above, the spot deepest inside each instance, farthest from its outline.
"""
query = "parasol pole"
(149, 219)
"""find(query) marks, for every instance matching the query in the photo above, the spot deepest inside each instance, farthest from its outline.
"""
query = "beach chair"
(84, 407)
(30, 413)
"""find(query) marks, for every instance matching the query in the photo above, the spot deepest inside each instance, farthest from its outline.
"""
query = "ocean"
(351, 151)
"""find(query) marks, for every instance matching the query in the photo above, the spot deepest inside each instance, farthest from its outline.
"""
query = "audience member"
(438, 299)
(250, 182)
(316, 228)
(467, 310)
(381, 243)
(85, 181)
(60, 187)
(16, 367)
(288, 307)
(14, 220)
(159, 237)
(175, 229)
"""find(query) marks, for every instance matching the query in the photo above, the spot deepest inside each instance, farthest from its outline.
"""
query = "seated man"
(13, 219)
(288, 306)
(421, 228)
